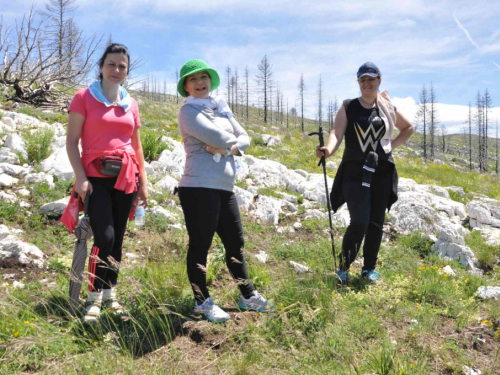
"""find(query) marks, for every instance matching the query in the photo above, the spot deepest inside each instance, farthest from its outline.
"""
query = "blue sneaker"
(211, 311)
(256, 303)
(371, 275)
(343, 275)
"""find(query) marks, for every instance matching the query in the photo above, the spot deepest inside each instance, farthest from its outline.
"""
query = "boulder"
(58, 165)
(167, 183)
(488, 292)
(270, 140)
(54, 208)
(7, 181)
(16, 143)
(13, 170)
(14, 249)
(7, 156)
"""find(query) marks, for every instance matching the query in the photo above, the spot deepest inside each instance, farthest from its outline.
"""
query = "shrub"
(37, 144)
(152, 145)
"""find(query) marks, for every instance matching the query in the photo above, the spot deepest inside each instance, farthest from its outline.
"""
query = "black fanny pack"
(109, 165)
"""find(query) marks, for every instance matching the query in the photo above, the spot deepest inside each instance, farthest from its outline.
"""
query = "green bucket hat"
(196, 66)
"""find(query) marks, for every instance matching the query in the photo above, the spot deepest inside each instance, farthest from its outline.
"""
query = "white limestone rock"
(54, 208)
(7, 181)
(58, 165)
(167, 183)
(7, 156)
(35, 178)
(488, 292)
(13, 248)
(300, 268)
(331, 165)
(16, 143)
(456, 251)
(163, 213)
(261, 256)
(244, 198)
(270, 140)
(14, 170)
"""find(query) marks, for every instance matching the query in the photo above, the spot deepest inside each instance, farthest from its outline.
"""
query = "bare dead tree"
(479, 117)
(433, 119)
(496, 151)
(443, 137)
(469, 121)
(33, 68)
(320, 101)
(302, 89)
(236, 90)
(265, 80)
(176, 78)
(421, 116)
(57, 14)
(247, 75)
(487, 104)
(228, 77)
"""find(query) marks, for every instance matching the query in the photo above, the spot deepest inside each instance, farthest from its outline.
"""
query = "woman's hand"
(142, 194)
(323, 151)
(214, 150)
(82, 187)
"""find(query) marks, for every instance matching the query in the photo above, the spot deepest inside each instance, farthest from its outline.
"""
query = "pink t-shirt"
(105, 128)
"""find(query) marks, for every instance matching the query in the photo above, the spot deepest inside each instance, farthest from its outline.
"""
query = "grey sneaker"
(211, 311)
(256, 302)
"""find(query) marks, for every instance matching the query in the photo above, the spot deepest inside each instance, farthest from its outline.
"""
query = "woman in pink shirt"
(106, 120)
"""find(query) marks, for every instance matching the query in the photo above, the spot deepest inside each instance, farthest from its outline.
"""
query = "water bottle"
(140, 215)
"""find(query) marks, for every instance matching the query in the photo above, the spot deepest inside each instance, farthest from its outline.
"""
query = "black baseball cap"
(369, 69)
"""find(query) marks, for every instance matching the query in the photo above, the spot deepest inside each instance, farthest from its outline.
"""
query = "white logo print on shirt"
(370, 137)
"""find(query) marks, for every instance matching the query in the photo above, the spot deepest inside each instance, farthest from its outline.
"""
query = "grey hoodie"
(202, 126)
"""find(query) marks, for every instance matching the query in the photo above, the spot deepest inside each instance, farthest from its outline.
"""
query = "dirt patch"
(12, 270)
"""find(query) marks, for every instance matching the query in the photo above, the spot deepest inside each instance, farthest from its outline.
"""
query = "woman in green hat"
(212, 137)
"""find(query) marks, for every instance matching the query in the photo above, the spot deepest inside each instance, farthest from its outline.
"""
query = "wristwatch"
(228, 151)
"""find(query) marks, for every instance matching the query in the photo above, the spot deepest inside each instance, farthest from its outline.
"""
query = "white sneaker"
(256, 302)
(110, 301)
(93, 307)
(211, 311)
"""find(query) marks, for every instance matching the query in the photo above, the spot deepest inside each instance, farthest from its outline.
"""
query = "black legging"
(367, 210)
(108, 210)
(207, 211)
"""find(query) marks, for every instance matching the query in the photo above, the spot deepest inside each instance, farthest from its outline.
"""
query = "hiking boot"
(93, 307)
(343, 275)
(211, 311)
(110, 301)
(256, 303)
(371, 275)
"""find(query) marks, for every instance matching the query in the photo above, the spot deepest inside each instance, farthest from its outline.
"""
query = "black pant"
(108, 210)
(207, 211)
(367, 210)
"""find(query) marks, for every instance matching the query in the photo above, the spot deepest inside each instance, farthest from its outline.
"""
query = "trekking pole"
(322, 162)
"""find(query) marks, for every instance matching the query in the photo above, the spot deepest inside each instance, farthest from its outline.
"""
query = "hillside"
(441, 246)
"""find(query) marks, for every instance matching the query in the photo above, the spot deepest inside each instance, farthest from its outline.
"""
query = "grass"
(37, 144)
(419, 321)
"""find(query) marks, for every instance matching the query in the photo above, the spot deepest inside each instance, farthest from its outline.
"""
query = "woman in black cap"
(366, 179)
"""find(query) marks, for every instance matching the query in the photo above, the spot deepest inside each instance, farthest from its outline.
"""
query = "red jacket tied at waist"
(126, 181)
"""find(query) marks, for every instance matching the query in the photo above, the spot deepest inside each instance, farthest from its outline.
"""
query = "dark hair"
(113, 48)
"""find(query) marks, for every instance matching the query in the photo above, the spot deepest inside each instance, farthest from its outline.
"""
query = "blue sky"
(454, 44)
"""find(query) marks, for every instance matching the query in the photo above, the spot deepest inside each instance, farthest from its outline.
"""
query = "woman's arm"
(406, 129)
(336, 136)
(242, 141)
(75, 126)
(142, 193)
(194, 123)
